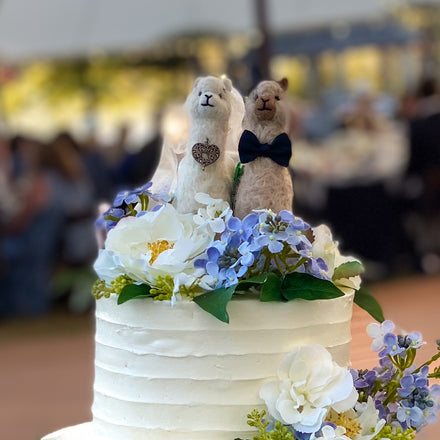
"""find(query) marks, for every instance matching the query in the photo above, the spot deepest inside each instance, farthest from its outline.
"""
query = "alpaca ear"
(196, 81)
(227, 83)
(284, 83)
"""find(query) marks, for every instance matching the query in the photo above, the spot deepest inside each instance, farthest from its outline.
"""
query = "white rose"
(324, 247)
(309, 384)
(159, 243)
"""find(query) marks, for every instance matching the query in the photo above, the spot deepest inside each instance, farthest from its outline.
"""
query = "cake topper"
(206, 167)
(265, 149)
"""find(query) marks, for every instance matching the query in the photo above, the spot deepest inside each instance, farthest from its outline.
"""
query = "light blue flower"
(231, 278)
(131, 197)
(412, 417)
(317, 268)
(391, 346)
(247, 257)
(110, 218)
(271, 242)
(295, 223)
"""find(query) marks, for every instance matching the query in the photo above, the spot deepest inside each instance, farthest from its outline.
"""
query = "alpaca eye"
(220, 95)
(256, 97)
(277, 98)
(200, 93)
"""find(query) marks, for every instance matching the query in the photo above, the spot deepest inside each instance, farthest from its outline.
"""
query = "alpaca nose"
(207, 96)
(265, 100)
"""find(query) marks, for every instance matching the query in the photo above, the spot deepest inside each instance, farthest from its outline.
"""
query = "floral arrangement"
(153, 251)
(313, 398)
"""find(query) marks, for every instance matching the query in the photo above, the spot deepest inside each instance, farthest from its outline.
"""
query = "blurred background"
(90, 88)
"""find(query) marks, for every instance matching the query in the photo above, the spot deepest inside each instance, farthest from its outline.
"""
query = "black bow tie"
(280, 150)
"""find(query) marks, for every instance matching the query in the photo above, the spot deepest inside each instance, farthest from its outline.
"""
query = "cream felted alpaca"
(206, 167)
(265, 150)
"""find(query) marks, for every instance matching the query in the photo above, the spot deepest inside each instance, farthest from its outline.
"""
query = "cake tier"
(167, 372)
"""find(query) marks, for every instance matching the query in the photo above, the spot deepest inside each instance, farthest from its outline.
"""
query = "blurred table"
(47, 365)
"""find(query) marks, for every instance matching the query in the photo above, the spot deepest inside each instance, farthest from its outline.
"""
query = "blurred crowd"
(50, 194)
(49, 198)
(380, 168)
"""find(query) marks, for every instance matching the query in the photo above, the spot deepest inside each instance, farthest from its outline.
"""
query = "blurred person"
(97, 169)
(72, 193)
(424, 134)
(29, 233)
(363, 116)
(120, 161)
(7, 199)
(423, 174)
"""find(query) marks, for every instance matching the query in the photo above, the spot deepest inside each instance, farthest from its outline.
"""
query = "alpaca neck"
(213, 131)
(266, 131)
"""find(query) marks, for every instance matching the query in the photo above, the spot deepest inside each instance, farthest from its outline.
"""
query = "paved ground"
(46, 364)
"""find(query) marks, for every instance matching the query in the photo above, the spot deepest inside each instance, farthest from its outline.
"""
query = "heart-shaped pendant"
(205, 153)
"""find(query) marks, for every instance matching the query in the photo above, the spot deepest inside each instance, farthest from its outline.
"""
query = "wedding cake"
(189, 369)
(195, 310)
(165, 372)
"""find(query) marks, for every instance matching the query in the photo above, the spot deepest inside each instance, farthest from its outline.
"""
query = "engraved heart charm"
(205, 153)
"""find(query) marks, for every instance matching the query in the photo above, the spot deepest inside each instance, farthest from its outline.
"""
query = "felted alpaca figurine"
(206, 167)
(265, 150)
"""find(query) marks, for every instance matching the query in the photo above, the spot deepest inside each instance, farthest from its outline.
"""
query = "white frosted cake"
(197, 305)
(164, 372)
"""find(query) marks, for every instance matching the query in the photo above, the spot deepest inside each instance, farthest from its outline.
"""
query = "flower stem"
(433, 359)
(302, 261)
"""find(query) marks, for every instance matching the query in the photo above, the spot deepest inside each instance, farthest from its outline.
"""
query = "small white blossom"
(368, 419)
(377, 332)
(215, 215)
(324, 247)
(330, 433)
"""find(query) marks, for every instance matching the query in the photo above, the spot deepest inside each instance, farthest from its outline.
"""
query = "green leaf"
(367, 302)
(215, 302)
(239, 169)
(305, 286)
(271, 289)
(347, 270)
(253, 281)
(134, 291)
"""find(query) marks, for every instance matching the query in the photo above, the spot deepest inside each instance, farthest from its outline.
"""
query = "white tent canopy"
(31, 29)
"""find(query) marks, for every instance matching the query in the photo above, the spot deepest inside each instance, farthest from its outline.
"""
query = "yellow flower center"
(157, 247)
(352, 427)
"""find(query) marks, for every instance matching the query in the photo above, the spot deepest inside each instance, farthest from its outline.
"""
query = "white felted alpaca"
(265, 150)
(206, 167)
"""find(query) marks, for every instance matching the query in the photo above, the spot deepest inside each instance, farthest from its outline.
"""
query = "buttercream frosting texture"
(176, 372)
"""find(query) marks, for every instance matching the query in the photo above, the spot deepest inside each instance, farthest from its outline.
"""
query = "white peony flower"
(309, 384)
(215, 215)
(324, 247)
(159, 243)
